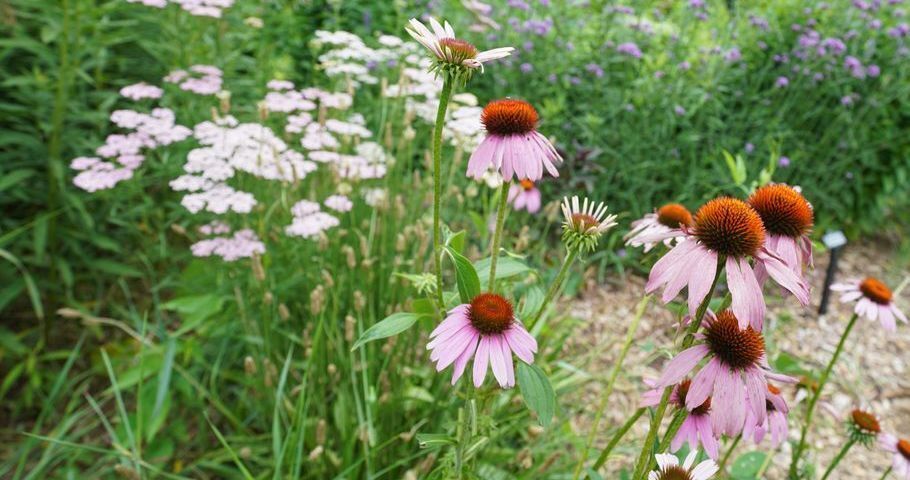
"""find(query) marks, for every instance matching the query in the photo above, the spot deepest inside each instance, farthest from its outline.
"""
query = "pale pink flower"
(512, 144)
(874, 301)
(664, 225)
(729, 229)
(447, 49)
(697, 429)
(487, 330)
(901, 459)
(775, 421)
(788, 218)
(524, 195)
(668, 468)
(737, 369)
(142, 90)
(339, 203)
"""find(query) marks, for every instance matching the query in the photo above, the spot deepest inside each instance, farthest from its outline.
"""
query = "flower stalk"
(497, 232)
(810, 409)
(840, 455)
(644, 459)
(437, 183)
(617, 437)
(567, 262)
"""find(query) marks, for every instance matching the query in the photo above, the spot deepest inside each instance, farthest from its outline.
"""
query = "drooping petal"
(748, 302)
(703, 271)
(668, 265)
(682, 364)
(462, 361)
(483, 157)
(497, 362)
(702, 385)
(756, 386)
(481, 360)
(785, 277)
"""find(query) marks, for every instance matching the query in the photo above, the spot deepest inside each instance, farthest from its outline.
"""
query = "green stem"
(497, 233)
(604, 399)
(840, 455)
(726, 458)
(675, 424)
(554, 287)
(645, 457)
(617, 437)
(794, 461)
(467, 426)
(437, 183)
(885, 475)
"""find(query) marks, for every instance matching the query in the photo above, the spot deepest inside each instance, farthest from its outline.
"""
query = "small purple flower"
(702, 16)
(629, 107)
(783, 161)
(782, 82)
(659, 74)
(762, 45)
(758, 22)
(875, 24)
(733, 55)
(526, 67)
(749, 148)
(818, 77)
(697, 4)
(528, 46)
(846, 100)
(684, 65)
(519, 4)
(680, 111)
(595, 69)
(552, 78)
(873, 71)
(630, 49)
(574, 80)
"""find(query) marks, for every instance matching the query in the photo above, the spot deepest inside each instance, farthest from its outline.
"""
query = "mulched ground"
(873, 371)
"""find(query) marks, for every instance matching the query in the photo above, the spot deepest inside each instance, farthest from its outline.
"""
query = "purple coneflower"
(512, 144)
(448, 49)
(668, 468)
(874, 301)
(738, 369)
(655, 227)
(775, 422)
(487, 330)
(788, 218)
(525, 195)
(729, 229)
(696, 428)
(901, 449)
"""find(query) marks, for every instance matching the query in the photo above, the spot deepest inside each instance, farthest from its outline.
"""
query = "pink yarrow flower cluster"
(309, 221)
(243, 244)
(198, 79)
(140, 91)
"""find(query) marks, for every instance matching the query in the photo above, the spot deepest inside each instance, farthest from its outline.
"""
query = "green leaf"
(195, 309)
(537, 392)
(456, 240)
(465, 276)
(391, 325)
(434, 440)
(747, 465)
(115, 268)
(506, 267)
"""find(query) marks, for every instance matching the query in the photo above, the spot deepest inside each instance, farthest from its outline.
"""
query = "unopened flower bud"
(249, 365)
(283, 312)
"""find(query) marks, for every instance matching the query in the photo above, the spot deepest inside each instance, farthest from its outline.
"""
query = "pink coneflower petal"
(703, 384)
(462, 361)
(682, 364)
(785, 276)
(513, 144)
(748, 302)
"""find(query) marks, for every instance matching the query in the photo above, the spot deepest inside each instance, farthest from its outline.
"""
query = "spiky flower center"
(903, 446)
(527, 184)
(457, 50)
(736, 348)
(583, 221)
(865, 421)
(490, 313)
(683, 390)
(674, 215)
(674, 472)
(730, 227)
(509, 117)
(875, 290)
(783, 210)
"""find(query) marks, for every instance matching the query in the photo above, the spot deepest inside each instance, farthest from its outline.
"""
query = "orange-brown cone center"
(583, 221)
(865, 421)
(509, 117)
(674, 215)
(490, 313)
(459, 50)
(683, 390)
(783, 210)
(730, 227)
(903, 446)
(527, 184)
(738, 349)
(674, 472)
(875, 290)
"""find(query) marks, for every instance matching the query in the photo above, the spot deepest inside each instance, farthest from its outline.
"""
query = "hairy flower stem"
(497, 233)
(810, 409)
(885, 475)
(571, 254)
(605, 453)
(604, 399)
(645, 458)
(465, 429)
(726, 458)
(437, 183)
(840, 455)
(673, 428)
